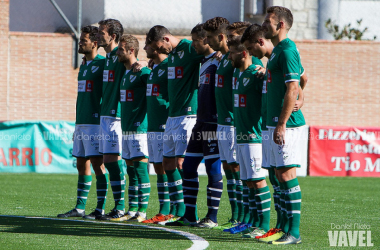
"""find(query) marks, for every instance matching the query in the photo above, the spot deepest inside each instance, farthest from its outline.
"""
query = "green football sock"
(117, 180)
(284, 214)
(254, 220)
(84, 185)
(239, 196)
(293, 206)
(163, 194)
(247, 214)
(176, 191)
(231, 189)
(263, 201)
(101, 191)
(144, 184)
(133, 188)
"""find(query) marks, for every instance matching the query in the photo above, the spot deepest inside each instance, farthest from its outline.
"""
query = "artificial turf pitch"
(326, 203)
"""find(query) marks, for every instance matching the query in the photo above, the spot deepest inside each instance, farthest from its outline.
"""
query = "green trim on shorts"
(224, 161)
(270, 167)
(170, 157)
(146, 157)
(110, 153)
(256, 179)
(290, 166)
(180, 156)
(155, 162)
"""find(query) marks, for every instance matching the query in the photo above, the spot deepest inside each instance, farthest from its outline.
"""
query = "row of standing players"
(178, 114)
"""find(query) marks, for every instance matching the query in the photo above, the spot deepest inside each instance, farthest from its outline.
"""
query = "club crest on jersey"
(181, 54)
(161, 72)
(225, 63)
(245, 81)
(94, 69)
(85, 72)
(114, 58)
(272, 56)
(132, 78)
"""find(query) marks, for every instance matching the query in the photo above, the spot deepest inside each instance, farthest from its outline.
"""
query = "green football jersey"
(183, 78)
(247, 106)
(133, 101)
(112, 74)
(284, 65)
(90, 91)
(264, 103)
(257, 61)
(157, 97)
(223, 92)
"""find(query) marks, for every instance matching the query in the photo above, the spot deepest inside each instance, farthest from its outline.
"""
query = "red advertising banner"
(344, 151)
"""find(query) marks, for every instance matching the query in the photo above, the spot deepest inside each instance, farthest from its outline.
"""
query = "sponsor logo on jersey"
(161, 72)
(151, 76)
(132, 78)
(108, 62)
(245, 81)
(242, 101)
(129, 95)
(155, 90)
(111, 75)
(94, 69)
(225, 63)
(85, 72)
(163, 126)
(178, 72)
(114, 58)
(264, 90)
(137, 124)
(181, 54)
(275, 119)
(269, 76)
(188, 109)
(112, 111)
(89, 86)
(123, 81)
(272, 56)
(172, 59)
(291, 74)
(227, 119)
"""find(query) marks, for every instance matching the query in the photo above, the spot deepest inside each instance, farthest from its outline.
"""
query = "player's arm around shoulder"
(144, 75)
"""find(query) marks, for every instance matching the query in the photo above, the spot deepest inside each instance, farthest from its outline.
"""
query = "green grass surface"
(324, 201)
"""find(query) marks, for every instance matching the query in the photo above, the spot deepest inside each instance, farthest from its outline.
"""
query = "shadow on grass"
(79, 228)
(72, 228)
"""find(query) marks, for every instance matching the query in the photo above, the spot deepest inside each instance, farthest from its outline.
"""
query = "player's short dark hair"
(216, 24)
(92, 31)
(238, 27)
(235, 42)
(131, 42)
(282, 14)
(253, 33)
(199, 31)
(113, 27)
(156, 33)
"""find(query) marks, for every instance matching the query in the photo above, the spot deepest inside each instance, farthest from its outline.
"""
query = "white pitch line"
(198, 242)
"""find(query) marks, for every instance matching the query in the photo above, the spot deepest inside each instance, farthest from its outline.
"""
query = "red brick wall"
(343, 87)
(4, 32)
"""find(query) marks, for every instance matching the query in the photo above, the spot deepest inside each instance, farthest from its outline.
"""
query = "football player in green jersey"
(134, 127)
(283, 79)
(183, 73)
(158, 110)
(257, 45)
(247, 114)
(86, 134)
(110, 31)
